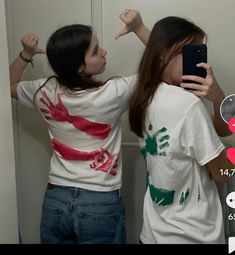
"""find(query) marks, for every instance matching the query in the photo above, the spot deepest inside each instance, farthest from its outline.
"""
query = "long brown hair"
(166, 40)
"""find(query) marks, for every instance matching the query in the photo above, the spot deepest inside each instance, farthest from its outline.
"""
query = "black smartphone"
(194, 54)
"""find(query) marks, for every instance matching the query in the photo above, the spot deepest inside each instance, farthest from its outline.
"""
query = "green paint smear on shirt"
(161, 197)
(184, 197)
(199, 195)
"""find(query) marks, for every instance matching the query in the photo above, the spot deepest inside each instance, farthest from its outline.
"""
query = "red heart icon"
(231, 125)
(231, 151)
(231, 154)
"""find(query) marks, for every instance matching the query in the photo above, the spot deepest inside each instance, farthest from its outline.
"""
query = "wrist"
(26, 57)
(219, 99)
(143, 33)
(139, 29)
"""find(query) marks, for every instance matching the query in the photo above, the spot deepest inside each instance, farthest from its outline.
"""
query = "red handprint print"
(231, 151)
(102, 159)
(59, 112)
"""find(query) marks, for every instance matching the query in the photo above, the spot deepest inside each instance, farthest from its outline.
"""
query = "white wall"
(8, 208)
(42, 17)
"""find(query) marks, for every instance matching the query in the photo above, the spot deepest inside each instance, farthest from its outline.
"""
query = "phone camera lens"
(201, 51)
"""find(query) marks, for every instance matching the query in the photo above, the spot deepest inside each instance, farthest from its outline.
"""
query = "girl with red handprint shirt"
(82, 202)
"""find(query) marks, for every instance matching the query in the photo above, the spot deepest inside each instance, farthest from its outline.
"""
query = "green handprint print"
(153, 145)
(161, 197)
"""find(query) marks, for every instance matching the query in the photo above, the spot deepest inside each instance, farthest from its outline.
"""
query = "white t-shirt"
(85, 131)
(181, 203)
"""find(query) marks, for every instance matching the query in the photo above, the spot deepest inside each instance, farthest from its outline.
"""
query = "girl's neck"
(170, 83)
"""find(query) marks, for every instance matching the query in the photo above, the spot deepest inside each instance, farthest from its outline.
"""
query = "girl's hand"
(208, 87)
(30, 46)
(132, 20)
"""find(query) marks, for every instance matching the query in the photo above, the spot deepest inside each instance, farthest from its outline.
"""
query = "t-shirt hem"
(143, 240)
(87, 186)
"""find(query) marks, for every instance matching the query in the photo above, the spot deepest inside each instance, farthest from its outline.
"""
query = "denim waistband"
(54, 186)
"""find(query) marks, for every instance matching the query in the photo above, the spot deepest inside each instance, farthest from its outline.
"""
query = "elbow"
(14, 91)
(222, 180)
(225, 133)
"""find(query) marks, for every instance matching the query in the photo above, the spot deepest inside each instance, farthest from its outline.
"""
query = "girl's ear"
(81, 68)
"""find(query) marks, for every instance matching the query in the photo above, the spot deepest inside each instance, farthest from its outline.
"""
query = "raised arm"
(210, 90)
(30, 48)
(133, 23)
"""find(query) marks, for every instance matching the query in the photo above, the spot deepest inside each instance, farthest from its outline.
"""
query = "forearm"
(220, 125)
(143, 34)
(17, 68)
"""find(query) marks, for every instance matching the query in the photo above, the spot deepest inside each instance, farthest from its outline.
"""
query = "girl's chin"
(101, 71)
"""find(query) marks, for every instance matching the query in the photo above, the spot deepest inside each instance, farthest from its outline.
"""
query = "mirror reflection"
(81, 155)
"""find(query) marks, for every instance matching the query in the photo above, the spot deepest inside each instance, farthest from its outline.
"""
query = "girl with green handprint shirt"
(178, 140)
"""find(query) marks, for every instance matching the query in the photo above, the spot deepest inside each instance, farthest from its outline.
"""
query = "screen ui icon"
(231, 244)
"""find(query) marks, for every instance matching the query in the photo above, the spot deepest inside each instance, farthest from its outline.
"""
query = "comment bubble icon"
(230, 199)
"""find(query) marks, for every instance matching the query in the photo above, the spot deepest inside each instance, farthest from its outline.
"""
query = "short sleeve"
(26, 91)
(198, 137)
(125, 88)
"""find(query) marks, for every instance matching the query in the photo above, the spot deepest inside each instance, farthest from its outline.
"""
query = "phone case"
(192, 55)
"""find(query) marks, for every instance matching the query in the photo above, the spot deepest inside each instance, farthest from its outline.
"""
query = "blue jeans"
(79, 216)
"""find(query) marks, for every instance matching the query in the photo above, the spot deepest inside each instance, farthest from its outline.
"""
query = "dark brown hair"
(66, 50)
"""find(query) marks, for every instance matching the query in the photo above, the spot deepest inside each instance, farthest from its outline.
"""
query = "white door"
(31, 138)
(8, 207)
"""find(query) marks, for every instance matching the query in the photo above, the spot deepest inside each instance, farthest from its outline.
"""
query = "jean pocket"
(102, 225)
(51, 220)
